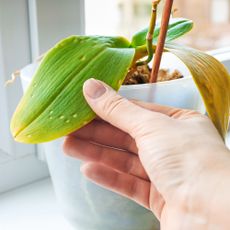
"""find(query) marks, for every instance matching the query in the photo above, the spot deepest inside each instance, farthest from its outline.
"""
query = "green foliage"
(177, 28)
(54, 105)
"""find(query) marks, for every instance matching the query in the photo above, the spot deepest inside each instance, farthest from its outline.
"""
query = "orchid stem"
(149, 37)
(161, 40)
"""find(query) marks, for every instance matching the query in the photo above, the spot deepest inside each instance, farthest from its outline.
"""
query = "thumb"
(113, 108)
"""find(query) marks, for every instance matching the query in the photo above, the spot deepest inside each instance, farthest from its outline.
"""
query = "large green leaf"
(212, 80)
(53, 105)
(176, 28)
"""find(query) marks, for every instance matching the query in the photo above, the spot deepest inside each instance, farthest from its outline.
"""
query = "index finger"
(166, 110)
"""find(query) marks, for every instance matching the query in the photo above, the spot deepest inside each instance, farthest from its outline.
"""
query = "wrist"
(208, 194)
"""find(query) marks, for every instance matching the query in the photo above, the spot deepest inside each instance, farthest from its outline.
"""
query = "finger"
(167, 110)
(118, 160)
(127, 185)
(106, 134)
(113, 108)
(156, 201)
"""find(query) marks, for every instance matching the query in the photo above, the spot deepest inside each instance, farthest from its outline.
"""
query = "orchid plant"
(54, 105)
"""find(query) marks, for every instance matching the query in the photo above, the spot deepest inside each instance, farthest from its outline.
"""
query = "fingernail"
(94, 88)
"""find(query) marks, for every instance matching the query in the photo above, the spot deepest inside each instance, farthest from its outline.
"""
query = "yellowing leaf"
(212, 80)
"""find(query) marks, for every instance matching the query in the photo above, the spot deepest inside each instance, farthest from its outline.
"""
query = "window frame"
(215, 12)
(24, 35)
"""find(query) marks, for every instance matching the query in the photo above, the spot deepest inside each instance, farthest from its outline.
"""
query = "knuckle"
(67, 144)
(129, 143)
(112, 105)
(129, 165)
(133, 189)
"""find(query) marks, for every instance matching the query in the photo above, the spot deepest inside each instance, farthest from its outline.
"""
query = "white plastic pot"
(84, 204)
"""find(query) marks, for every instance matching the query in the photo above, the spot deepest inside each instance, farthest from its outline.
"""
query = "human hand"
(166, 159)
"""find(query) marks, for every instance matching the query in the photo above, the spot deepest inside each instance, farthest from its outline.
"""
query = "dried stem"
(14, 75)
(161, 41)
(149, 37)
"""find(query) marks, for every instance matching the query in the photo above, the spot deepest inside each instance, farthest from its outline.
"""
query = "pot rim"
(146, 85)
(123, 87)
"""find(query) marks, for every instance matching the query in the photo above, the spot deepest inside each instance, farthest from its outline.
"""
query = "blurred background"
(28, 28)
(124, 17)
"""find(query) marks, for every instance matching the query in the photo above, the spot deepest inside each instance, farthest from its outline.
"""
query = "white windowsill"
(31, 207)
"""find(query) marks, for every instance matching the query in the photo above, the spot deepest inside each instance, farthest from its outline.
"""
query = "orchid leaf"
(54, 105)
(176, 28)
(212, 80)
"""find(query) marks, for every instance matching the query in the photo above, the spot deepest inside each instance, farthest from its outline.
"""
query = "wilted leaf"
(212, 80)
(53, 105)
